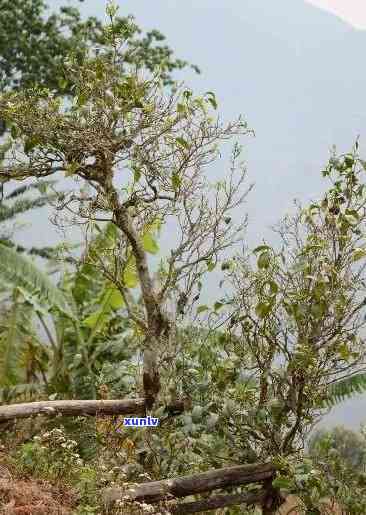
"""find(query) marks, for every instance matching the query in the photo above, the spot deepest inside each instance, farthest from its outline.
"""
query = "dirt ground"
(30, 497)
(290, 508)
(25, 496)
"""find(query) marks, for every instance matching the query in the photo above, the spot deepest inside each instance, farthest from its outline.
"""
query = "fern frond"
(24, 205)
(18, 271)
(50, 253)
(345, 389)
(41, 186)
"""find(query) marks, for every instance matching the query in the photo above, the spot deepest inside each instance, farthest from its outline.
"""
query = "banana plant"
(26, 292)
(346, 388)
(81, 319)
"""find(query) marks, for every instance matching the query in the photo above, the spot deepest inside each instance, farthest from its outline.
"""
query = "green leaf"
(111, 299)
(226, 265)
(148, 236)
(176, 181)
(273, 286)
(130, 277)
(218, 306)
(344, 352)
(181, 108)
(349, 161)
(92, 320)
(358, 254)
(318, 309)
(71, 168)
(81, 99)
(263, 309)
(212, 99)
(30, 144)
(42, 187)
(62, 84)
(14, 132)
(187, 94)
(353, 213)
(314, 207)
(200, 102)
(261, 248)
(210, 266)
(312, 248)
(136, 175)
(115, 298)
(264, 260)
(149, 244)
(282, 483)
(182, 142)
(351, 219)
(201, 309)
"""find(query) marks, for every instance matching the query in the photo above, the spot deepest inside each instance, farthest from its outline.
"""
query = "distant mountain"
(294, 20)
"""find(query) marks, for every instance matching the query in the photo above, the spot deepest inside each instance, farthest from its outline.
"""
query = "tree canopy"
(34, 44)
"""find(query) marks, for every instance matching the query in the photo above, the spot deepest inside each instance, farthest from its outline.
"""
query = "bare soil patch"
(25, 496)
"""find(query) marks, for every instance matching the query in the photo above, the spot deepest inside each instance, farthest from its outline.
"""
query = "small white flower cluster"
(59, 446)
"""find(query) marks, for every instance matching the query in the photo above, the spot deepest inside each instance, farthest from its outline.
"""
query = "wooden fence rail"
(72, 408)
(169, 489)
(75, 408)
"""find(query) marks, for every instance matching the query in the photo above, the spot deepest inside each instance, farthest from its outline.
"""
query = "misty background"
(295, 72)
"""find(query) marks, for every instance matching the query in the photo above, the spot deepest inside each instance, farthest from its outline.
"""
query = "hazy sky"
(353, 11)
